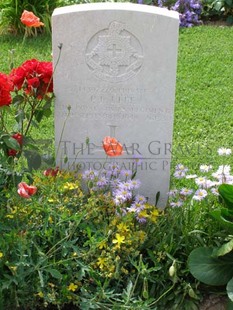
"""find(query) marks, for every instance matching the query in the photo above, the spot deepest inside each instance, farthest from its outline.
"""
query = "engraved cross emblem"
(114, 54)
(114, 50)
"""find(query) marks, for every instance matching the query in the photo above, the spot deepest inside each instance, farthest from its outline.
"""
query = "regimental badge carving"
(114, 54)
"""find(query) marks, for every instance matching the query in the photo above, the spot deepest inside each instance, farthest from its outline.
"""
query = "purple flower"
(89, 175)
(172, 193)
(176, 204)
(126, 186)
(137, 160)
(115, 183)
(190, 11)
(186, 192)
(102, 182)
(113, 170)
(121, 196)
(181, 167)
(136, 207)
(140, 199)
(126, 174)
(200, 194)
(179, 174)
(135, 184)
(141, 219)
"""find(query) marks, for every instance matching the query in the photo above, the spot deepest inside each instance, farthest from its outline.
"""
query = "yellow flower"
(102, 245)
(1, 254)
(119, 240)
(10, 216)
(40, 294)
(141, 236)
(72, 287)
(142, 213)
(70, 186)
(122, 227)
(154, 215)
(101, 262)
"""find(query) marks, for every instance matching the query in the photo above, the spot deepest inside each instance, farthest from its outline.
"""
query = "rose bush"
(5, 90)
(26, 95)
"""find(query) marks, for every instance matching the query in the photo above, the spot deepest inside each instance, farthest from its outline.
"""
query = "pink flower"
(25, 190)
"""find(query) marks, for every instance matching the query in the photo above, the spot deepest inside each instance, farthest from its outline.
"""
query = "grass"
(204, 95)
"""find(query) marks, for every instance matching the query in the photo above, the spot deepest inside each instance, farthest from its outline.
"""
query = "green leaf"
(47, 112)
(19, 117)
(226, 192)
(224, 249)
(33, 159)
(39, 115)
(157, 198)
(18, 99)
(55, 273)
(229, 305)
(230, 289)
(229, 2)
(210, 270)
(34, 124)
(229, 20)
(11, 143)
(220, 216)
(65, 159)
(218, 5)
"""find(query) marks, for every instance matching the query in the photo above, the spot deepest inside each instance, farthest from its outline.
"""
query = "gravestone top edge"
(133, 7)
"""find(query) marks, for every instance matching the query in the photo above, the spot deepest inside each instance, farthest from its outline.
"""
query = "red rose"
(17, 76)
(30, 66)
(33, 83)
(112, 147)
(45, 71)
(19, 138)
(34, 76)
(25, 190)
(30, 20)
(5, 88)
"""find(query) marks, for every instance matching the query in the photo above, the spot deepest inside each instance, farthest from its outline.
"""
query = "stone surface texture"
(117, 72)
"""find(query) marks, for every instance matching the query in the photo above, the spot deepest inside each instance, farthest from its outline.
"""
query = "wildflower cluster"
(74, 236)
(204, 185)
(123, 188)
(189, 12)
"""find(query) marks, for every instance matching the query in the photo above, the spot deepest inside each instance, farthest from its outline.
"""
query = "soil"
(217, 22)
(213, 302)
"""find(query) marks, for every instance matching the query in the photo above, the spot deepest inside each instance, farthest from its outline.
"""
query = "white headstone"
(117, 73)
